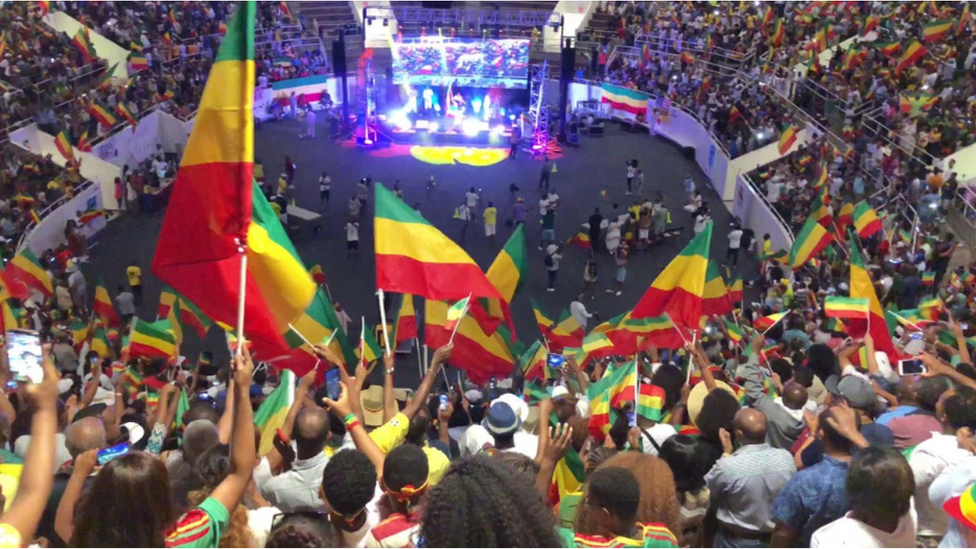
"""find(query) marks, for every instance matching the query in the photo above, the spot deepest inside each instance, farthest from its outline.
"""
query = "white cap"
(518, 405)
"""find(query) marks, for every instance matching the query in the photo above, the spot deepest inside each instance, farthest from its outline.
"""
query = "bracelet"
(351, 425)
(349, 419)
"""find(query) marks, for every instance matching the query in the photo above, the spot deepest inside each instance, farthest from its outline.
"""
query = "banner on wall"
(131, 145)
(49, 233)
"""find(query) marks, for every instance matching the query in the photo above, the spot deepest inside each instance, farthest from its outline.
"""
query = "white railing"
(50, 208)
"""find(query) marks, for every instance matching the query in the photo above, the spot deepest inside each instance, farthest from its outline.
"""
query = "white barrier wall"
(756, 214)
(687, 131)
(760, 157)
(104, 48)
(92, 167)
(132, 145)
(49, 233)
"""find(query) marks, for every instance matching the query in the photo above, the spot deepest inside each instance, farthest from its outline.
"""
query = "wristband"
(350, 421)
(352, 425)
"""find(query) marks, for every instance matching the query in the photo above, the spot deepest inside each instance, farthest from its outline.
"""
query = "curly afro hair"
(349, 482)
(482, 502)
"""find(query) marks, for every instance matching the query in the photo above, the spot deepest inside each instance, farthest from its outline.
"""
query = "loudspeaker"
(339, 58)
(567, 66)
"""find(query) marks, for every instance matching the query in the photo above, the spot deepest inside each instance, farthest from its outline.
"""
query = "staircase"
(327, 18)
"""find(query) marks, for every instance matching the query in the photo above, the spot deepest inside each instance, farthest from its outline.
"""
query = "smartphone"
(24, 350)
(632, 419)
(556, 361)
(332, 386)
(910, 367)
(444, 401)
(915, 335)
(108, 454)
(964, 325)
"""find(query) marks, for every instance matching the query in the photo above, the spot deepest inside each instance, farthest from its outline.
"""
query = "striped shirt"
(397, 531)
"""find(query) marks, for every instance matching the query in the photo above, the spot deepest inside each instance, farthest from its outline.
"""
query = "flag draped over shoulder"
(413, 257)
(271, 415)
(678, 290)
(863, 287)
(217, 206)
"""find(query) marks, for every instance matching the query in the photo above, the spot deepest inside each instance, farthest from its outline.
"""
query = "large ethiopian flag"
(625, 99)
(216, 206)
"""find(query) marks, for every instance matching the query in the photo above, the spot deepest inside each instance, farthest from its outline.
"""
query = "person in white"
(735, 242)
(879, 489)
(471, 199)
(579, 312)
(931, 457)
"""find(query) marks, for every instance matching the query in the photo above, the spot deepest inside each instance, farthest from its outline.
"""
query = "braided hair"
(481, 502)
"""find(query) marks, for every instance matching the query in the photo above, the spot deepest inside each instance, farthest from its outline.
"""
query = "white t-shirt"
(472, 199)
(735, 239)
(352, 231)
(850, 532)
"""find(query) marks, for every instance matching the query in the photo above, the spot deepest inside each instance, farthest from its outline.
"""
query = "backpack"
(549, 261)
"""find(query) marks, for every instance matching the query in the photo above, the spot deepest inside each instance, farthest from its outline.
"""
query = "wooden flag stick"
(464, 313)
(386, 334)
(242, 293)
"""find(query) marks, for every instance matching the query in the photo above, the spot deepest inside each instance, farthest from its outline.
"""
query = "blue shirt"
(812, 498)
(884, 418)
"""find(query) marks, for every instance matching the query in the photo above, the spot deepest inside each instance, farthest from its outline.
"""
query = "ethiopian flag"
(82, 43)
(192, 316)
(786, 140)
(317, 274)
(25, 273)
(866, 220)
(507, 274)
(481, 355)
(936, 30)
(625, 99)
(102, 113)
(812, 239)
(368, 350)
(217, 206)
(317, 324)
(405, 323)
(63, 145)
(650, 401)
(678, 290)
(596, 341)
(715, 297)
(100, 343)
(846, 307)
(152, 339)
(103, 304)
(167, 298)
(533, 362)
(271, 415)
(863, 287)
(765, 323)
(413, 257)
(617, 387)
(912, 54)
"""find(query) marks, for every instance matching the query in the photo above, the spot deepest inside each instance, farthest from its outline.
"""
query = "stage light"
(437, 107)
(401, 121)
(510, 117)
(498, 130)
(476, 105)
(471, 127)
(433, 127)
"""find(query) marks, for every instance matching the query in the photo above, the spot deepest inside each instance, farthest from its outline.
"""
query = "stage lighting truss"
(466, 18)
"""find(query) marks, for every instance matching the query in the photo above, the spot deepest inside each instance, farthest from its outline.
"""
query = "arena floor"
(599, 164)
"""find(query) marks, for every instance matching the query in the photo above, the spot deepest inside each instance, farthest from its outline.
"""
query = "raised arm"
(355, 428)
(389, 403)
(230, 491)
(36, 479)
(423, 391)
(301, 398)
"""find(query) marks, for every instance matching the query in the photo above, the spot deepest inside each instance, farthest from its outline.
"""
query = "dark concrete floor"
(581, 174)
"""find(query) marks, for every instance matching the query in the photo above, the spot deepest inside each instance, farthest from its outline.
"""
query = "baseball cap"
(502, 419)
(518, 405)
(855, 390)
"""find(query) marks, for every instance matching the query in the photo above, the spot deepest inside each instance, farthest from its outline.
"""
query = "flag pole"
(386, 334)
(898, 316)
(362, 339)
(420, 359)
(426, 356)
(242, 293)
(303, 338)
(463, 314)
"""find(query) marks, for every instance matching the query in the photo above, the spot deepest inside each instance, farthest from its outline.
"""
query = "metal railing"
(874, 123)
(720, 56)
(769, 205)
(621, 51)
(122, 124)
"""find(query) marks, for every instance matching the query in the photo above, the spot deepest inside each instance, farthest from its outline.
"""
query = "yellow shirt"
(258, 171)
(767, 247)
(391, 434)
(282, 185)
(135, 276)
(490, 215)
